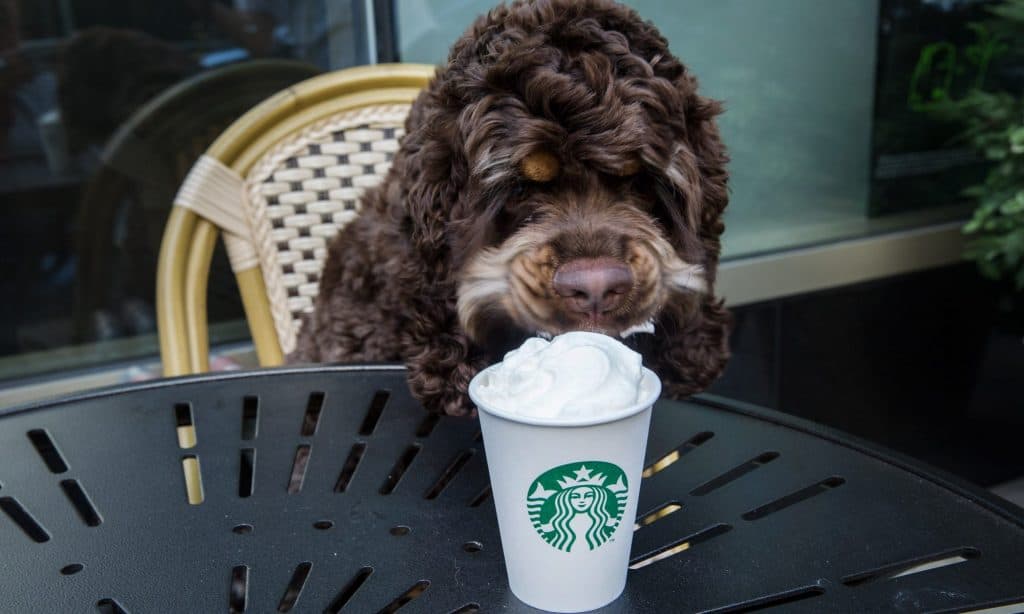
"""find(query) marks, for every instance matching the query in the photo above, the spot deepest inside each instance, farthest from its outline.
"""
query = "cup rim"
(639, 406)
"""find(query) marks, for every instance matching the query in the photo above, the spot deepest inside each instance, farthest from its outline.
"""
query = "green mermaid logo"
(578, 503)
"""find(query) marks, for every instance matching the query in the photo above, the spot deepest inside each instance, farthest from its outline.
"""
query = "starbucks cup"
(565, 492)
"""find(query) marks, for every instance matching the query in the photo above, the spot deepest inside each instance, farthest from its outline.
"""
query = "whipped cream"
(575, 375)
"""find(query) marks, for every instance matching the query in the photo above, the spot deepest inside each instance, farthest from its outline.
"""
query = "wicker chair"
(277, 185)
(143, 163)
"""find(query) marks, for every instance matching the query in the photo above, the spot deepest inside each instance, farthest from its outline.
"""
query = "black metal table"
(328, 489)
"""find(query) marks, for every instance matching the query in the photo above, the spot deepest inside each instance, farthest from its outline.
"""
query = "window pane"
(104, 106)
(798, 81)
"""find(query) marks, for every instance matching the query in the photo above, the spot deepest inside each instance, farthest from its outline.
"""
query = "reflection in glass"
(104, 107)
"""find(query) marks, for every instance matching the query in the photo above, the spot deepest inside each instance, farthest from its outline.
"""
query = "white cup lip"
(639, 406)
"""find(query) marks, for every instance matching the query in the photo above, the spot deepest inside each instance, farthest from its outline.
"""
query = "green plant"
(994, 126)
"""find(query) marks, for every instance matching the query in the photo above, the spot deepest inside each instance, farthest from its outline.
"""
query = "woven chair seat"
(302, 192)
(278, 186)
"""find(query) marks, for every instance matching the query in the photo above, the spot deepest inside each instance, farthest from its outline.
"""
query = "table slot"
(413, 592)
(186, 424)
(25, 521)
(450, 464)
(299, 465)
(47, 449)
(80, 500)
(481, 497)
(348, 470)
(295, 586)
(734, 474)
(656, 514)
(770, 601)
(449, 474)
(349, 590)
(665, 461)
(193, 473)
(1013, 606)
(250, 417)
(311, 419)
(469, 482)
(794, 498)
(110, 606)
(238, 590)
(945, 589)
(246, 472)
(676, 546)
(398, 470)
(913, 566)
(427, 425)
(373, 412)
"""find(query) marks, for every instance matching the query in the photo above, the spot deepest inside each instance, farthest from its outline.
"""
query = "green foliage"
(994, 126)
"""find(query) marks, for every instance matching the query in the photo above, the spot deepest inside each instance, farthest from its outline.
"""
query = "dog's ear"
(433, 170)
(695, 182)
(692, 347)
(424, 192)
(694, 338)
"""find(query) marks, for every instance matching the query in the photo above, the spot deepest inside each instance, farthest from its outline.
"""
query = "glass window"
(810, 159)
(831, 122)
(104, 106)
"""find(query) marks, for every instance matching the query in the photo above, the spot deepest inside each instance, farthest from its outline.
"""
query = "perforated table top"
(329, 490)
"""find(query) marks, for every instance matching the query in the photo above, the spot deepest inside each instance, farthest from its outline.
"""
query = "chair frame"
(189, 239)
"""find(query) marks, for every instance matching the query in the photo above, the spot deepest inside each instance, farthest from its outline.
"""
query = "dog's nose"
(593, 285)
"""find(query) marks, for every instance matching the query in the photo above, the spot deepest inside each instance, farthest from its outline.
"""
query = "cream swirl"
(575, 375)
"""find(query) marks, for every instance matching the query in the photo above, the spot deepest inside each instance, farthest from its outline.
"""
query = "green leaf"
(995, 152)
(1010, 11)
(988, 269)
(1013, 205)
(974, 191)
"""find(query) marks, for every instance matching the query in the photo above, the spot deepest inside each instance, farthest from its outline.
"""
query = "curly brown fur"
(453, 260)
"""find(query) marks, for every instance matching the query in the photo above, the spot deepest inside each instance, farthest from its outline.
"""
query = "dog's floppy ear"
(692, 347)
(694, 341)
(430, 174)
(696, 174)
(433, 169)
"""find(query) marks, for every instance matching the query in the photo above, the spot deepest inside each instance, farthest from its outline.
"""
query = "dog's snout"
(593, 286)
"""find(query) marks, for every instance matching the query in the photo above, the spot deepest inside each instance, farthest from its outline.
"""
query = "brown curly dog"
(559, 173)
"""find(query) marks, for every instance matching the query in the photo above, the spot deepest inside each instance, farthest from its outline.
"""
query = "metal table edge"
(162, 382)
(991, 502)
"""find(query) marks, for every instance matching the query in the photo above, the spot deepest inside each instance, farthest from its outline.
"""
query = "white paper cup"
(566, 493)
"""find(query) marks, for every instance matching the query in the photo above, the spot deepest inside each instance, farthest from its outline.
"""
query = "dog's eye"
(540, 166)
(516, 190)
(628, 168)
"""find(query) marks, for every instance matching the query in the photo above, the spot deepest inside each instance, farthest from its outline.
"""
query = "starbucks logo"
(579, 503)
